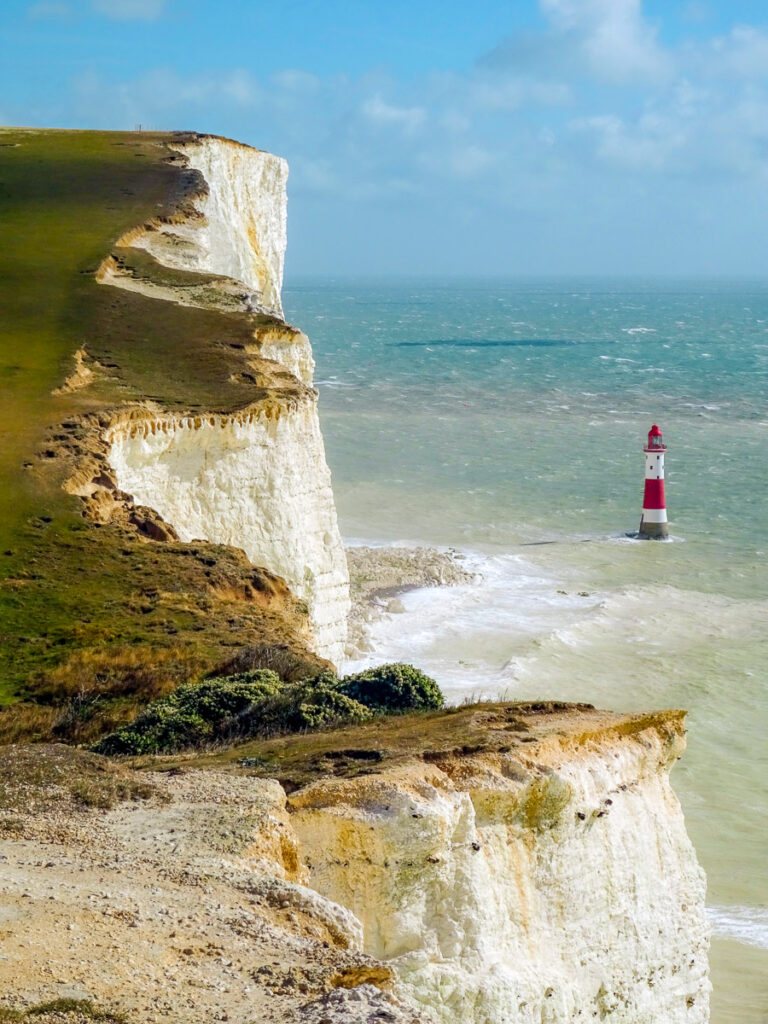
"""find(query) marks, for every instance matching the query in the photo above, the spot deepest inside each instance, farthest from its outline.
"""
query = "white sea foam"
(470, 637)
(530, 625)
(744, 924)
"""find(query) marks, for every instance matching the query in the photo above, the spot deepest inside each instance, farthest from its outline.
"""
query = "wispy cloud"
(44, 9)
(380, 111)
(553, 127)
(616, 40)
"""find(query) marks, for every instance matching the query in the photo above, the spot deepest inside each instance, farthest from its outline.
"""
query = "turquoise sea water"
(507, 419)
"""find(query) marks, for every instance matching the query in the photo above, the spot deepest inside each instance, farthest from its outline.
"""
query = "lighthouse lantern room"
(653, 523)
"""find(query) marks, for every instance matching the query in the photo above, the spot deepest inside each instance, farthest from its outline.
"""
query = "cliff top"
(74, 355)
(543, 729)
(206, 890)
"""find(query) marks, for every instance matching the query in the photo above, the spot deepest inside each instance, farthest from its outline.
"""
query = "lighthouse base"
(653, 531)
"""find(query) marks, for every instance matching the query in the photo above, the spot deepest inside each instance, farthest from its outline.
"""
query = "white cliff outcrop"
(555, 883)
(185, 904)
(257, 480)
(260, 483)
(539, 873)
(240, 230)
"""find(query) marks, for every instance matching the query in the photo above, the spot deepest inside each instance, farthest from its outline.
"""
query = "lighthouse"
(653, 523)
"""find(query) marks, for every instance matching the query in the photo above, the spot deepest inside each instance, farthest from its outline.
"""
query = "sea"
(505, 420)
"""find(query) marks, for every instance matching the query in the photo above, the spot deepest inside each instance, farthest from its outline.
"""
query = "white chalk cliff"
(240, 232)
(535, 871)
(552, 884)
(255, 480)
(260, 483)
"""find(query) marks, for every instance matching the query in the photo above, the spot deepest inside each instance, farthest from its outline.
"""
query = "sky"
(443, 137)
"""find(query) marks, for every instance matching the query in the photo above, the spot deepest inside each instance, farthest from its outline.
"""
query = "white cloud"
(613, 35)
(743, 53)
(650, 144)
(295, 80)
(505, 92)
(379, 111)
(470, 162)
(455, 121)
(130, 10)
(239, 86)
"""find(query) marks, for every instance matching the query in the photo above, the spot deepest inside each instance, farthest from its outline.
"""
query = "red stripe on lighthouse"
(654, 494)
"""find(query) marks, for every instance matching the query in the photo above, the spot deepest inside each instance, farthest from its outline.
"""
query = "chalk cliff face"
(257, 482)
(555, 883)
(258, 479)
(543, 878)
(241, 228)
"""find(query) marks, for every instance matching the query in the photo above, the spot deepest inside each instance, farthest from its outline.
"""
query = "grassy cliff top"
(526, 728)
(68, 585)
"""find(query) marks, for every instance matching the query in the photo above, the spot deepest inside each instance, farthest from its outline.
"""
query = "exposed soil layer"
(176, 897)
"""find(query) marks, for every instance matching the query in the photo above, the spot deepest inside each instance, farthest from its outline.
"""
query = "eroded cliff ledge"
(528, 864)
(545, 879)
(255, 478)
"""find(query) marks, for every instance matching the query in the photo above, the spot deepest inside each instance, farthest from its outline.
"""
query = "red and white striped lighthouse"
(653, 523)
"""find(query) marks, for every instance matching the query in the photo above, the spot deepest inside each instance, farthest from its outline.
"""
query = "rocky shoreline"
(379, 575)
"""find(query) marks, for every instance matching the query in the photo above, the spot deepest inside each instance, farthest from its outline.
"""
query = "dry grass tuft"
(139, 670)
(26, 723)
(291, 665)
(62, 1011)
(97, 691)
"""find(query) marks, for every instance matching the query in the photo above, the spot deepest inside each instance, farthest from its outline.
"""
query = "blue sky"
(443, 138)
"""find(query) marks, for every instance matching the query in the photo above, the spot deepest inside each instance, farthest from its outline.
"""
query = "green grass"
(438, 737)
(66, 584)
(64, 198)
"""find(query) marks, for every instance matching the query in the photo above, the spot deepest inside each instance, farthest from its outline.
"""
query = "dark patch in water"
(488, 343)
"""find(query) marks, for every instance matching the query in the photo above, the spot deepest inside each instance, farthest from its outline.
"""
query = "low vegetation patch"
(395, 687)
(258, 702)
(192, 715)
(42, 777)
(71, 1011)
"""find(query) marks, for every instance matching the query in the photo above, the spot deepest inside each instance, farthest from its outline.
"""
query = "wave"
(470, 637)
(534, 623)
(744, 924)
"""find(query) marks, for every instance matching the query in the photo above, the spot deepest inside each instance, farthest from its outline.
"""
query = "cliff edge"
(164, 493)
(537, 871)
(256, 478)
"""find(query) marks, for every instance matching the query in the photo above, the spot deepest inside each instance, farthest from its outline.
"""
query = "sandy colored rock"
(524, 863)
(184, 903)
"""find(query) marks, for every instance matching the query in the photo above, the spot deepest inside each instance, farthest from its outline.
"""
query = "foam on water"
(744, 924)
(524, 625)
(468, 636)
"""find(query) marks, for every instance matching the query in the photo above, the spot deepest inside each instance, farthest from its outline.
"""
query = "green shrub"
(257, 703)
(192, 715)
(303, 706)
(389, 688)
